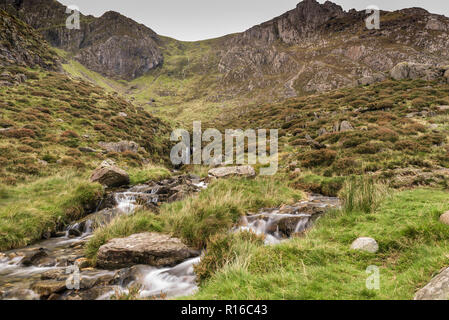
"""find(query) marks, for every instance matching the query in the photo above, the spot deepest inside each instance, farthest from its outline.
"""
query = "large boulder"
(121, 146)
(243, 171)
(365, 244)
(109, 175)
(437, 289)
(409, 70)
(154, 249)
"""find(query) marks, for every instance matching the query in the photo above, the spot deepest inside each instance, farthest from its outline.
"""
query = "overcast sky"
(191, 20)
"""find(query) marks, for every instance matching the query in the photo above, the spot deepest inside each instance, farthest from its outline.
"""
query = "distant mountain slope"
(112, 45)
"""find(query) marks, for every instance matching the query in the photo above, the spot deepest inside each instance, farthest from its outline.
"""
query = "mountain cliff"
(112, 44)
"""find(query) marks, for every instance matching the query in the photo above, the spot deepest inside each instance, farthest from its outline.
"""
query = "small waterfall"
(66, 247)
(275, 226)
(179, 280)
(126, 201)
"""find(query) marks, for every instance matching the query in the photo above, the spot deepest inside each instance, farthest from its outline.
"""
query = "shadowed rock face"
(112, 45)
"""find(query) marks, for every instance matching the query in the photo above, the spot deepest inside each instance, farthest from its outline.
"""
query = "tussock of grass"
(362, 193)
(198, 217)
(147, 173)
(28, 211)
(413, 248)
(227, 250)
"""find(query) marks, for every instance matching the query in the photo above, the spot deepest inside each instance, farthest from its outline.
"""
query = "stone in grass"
(222, 172)
(445, 218)
(108, 174)
(365, 244)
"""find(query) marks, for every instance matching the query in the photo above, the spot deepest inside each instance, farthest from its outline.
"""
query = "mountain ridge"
(312, 48)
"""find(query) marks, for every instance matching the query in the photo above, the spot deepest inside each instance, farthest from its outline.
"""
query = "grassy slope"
(390, 136)
(51, 116)
(27, 211)
(413, 248)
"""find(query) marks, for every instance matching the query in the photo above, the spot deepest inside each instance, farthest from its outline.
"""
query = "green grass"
(201, 216)
(148, 173)
(413, 244)
(362, 194)
(28, 211)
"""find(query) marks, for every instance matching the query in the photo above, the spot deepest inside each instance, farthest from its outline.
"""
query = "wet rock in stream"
(153, 249)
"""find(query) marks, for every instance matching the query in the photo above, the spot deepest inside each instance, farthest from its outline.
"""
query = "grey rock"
(121, 146)
(437, 289)
(152, 249)
(109, 175)
(365, 244)
(445, 218)
(222, 172)
(409, 70)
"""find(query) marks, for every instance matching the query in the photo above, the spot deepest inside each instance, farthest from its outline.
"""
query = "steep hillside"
(20, 46)
(50, 122)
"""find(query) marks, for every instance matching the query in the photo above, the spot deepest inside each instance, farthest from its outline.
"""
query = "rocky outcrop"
(223, 172)
(154, 249)
(332, 49)
(365, 244)
(343, 126)
(109, 175)
(112, 44)
(121, 146)
(295, 25)
(408, 70)
(437, 289)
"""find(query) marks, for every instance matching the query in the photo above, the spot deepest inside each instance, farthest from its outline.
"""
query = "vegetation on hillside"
(53, 123)
(399, 134)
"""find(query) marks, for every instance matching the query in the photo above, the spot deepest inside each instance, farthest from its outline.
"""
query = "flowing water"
(54, 259)
(279, 224)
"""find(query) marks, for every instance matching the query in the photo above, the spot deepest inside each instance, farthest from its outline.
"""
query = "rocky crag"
(112, 45)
